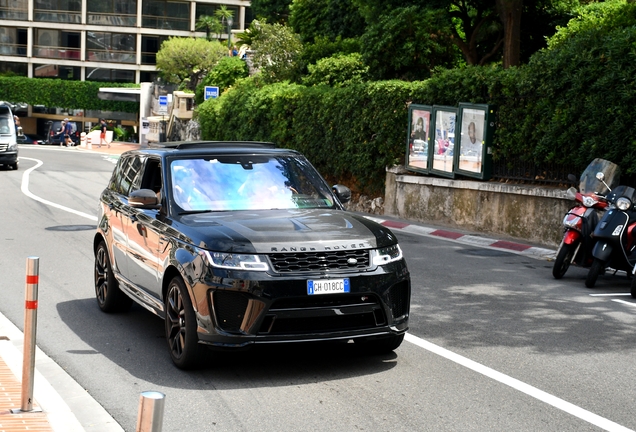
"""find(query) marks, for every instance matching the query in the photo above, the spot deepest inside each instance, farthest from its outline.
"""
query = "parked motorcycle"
(580, 221)
(615, 235)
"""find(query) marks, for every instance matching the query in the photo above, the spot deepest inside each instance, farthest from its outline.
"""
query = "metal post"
(150, 415)
(30, 324)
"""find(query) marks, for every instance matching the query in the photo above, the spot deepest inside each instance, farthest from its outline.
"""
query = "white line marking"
(518, 385)
(625, 302)
(25, 190)
(610, 295)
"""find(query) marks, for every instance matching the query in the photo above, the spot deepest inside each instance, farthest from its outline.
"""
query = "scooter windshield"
(590, 184)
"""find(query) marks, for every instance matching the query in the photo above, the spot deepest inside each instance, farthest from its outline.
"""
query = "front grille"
(229, 308)
(4, 147)
(324, 313)
(316, 261)
(399, 299)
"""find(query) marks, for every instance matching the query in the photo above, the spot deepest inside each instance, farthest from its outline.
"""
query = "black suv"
(240, 243)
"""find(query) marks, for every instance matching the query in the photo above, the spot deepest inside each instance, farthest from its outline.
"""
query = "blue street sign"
(163, 104)
(211, 92)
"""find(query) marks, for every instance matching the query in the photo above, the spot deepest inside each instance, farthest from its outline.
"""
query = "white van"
(8, 138)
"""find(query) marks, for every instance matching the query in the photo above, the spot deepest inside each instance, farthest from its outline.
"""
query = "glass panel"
(14, 10)
(56, 71)
(56, 44)
(149, 47)
(418, 140)
(13, 41)
(62, 11)
(444, 143)
(247, 183)
(472, 140)
(20, 69)
(112, 12)
(163, 14)
(110, 75)
(111, 47)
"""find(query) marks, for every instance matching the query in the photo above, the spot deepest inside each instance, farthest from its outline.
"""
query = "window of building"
(210, 9)
(145, 76)
(56, 44)
(110, 75)
(61, 11)
(112, 12)
(13, 41)
(169, 15)
(150, 45)
(9, 68)
(14, 10)
(111, 47)
(56, 71)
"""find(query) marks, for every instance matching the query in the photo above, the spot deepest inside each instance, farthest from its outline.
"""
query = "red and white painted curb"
(517, 248)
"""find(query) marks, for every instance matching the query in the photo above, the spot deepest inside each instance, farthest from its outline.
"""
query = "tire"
(381, 346)
(633, 287)
(595, 270)
(562, 261)
(181, 326)
(109, 297)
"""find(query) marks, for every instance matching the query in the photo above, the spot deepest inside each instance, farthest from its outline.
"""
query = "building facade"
(99, 40)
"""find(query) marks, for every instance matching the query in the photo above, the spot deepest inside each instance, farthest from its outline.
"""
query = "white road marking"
(625, 302)
(610, 295)
(518, 385)
(25, 190)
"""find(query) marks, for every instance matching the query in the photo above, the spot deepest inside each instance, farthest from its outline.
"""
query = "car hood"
(7, 139)
(274, 231)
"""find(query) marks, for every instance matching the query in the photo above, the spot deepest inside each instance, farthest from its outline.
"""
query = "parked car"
(8, 138)
(240, 243)
(54, 135)
(30, 139)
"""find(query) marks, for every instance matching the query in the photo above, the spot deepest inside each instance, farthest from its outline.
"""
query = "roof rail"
(181, 145)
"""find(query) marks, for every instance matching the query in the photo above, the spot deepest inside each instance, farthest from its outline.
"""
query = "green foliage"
(337, 71)
(210, 24)
(274, 11)
(186, 60)
(408, 44)
(323, 47)
(329, 19)
(277, 53)
(62, 93)
(224, 75)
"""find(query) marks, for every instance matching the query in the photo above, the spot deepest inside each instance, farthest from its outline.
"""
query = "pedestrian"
(16, 120)
(68, 131)
(60, 133)
(102, 133)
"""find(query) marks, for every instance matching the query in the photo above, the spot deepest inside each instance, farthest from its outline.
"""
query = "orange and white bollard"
(30, 323)
(88, 142)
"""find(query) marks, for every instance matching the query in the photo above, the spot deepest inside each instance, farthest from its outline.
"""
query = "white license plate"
(328, 286)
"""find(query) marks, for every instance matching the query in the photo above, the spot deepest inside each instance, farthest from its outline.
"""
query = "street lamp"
(230, 21)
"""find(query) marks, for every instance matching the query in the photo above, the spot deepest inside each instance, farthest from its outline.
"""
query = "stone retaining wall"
(528, 212)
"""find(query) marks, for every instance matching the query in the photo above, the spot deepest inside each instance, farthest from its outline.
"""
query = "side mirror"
(342, 192)
(571, 193)
(19, 132)
(572, 178)
(144, 199)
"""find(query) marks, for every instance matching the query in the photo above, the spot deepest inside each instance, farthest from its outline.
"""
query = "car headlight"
(386, 255)
(13, 146)
(623, 203)
(236, 261)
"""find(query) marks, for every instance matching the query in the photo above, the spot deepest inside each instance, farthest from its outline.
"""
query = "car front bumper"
(8, 157)
(258, 307)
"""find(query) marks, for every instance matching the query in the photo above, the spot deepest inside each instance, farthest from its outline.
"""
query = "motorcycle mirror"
(572, 178)
(571, 193)
(600, 176)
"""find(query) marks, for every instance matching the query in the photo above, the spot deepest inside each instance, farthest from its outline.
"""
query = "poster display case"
(441, 153)
(473, 157)
(418, 138)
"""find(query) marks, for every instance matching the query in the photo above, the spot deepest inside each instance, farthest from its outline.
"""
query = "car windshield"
(247, 183)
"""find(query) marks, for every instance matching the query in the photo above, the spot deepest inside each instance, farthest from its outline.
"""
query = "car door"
(143, 231)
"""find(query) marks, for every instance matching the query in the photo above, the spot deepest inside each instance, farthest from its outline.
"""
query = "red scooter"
(580, 221)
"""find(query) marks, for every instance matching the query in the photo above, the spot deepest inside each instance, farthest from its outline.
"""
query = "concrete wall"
(532, 213)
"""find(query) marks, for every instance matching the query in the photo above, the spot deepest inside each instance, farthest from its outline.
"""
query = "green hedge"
(62, 93)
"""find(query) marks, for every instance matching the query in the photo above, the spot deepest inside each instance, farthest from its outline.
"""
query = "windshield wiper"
(189, 212)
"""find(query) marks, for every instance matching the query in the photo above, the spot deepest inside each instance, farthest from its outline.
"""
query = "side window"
(152, 176)
(125, 175)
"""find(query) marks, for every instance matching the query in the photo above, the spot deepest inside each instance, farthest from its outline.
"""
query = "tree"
(329, 19)
(273, 11)
(277, 53)
(185, 61)
(224, 75)
(210, 25)
(408, 44)
(476, 30)
(510, 14)
(337, 71)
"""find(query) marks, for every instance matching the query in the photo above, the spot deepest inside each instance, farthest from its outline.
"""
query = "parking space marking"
(27, 192)
(610, 295)
(632, 304)
(519, 385)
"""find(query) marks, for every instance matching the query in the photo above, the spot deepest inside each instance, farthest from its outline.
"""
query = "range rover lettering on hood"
(320, 247)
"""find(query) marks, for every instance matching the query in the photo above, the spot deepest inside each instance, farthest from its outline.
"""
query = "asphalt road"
(495, 343)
